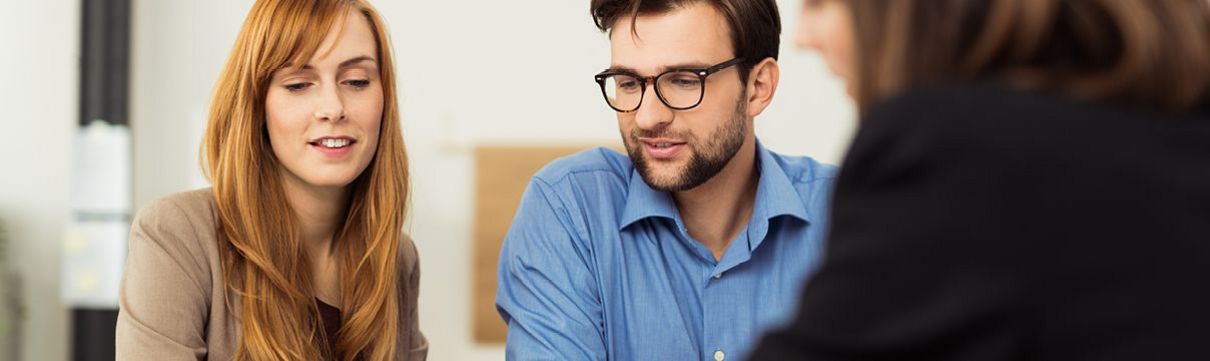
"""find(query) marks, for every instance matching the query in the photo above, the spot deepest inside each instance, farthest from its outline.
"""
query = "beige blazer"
(172, 295)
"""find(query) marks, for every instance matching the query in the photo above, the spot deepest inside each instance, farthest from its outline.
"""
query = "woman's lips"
(333, 147)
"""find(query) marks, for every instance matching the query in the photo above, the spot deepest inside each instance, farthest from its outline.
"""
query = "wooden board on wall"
(501, 174)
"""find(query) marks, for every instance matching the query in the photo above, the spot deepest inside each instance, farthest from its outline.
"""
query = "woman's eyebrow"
(347, 63)
(358, 59)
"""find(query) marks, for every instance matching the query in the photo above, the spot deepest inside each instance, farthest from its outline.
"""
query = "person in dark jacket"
(1030, 181)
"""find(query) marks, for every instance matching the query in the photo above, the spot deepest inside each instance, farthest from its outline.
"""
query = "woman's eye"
(358, 83)
(297, 86)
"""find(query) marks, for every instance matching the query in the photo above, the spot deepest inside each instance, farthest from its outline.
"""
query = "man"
(699, 240)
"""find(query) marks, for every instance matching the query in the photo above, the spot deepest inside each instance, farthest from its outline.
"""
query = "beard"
(706, 159)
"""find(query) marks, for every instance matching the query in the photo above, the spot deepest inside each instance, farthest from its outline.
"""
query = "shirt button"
(719, 355)
(718, 275)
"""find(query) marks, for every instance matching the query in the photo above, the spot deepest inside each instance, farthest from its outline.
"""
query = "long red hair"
(266, 269)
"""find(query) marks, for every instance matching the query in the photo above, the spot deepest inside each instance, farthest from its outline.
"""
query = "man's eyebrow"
(621, 69)
(625, 69)
(686, 66)
(347, 63)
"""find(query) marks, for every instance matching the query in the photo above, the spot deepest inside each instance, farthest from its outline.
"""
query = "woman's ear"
(762, 84)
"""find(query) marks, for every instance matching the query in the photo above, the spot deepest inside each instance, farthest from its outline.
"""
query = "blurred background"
(473, 74)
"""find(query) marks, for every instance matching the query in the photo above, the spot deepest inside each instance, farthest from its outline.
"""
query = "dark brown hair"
(755, 24)
(1149, 53)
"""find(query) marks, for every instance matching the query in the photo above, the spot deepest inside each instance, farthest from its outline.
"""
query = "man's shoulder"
(804, 169)
(596, 162)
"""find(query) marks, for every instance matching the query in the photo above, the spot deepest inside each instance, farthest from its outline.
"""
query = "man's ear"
(762, 84)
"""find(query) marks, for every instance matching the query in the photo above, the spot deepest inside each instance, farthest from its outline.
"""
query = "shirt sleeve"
(163, 299)
(920, 262)
(547, 291)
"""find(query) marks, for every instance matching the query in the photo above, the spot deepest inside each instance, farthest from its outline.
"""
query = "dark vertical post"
(92, 334)
(104, 84)
(105, 61)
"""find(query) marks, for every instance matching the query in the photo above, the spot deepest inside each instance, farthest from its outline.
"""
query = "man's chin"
(663, 180)
(665, 175)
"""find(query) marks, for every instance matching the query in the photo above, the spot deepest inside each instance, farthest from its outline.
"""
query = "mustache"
(637, 133)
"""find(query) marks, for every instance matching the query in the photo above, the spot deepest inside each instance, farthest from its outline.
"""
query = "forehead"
(350, 36)
(694, 33)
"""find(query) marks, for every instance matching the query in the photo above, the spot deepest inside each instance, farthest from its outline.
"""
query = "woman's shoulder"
(992, 108)
(993, 119)
(966, 106)
(409, 257)
(998, 137)
(410, 337)
(188, 206)
(184, 222)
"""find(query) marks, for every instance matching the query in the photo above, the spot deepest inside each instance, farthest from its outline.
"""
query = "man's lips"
(662, 148)
(660, 142)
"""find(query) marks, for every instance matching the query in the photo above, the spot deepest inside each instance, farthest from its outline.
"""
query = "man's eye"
(686, 81)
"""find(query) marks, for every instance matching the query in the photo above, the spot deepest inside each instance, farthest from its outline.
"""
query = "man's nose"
(652, 112)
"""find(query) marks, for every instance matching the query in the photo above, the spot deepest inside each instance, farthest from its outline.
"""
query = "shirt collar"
(775, 196)
(775, 192)
(642, 202)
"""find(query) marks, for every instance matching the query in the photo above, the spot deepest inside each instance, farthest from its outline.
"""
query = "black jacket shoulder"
(974, 221)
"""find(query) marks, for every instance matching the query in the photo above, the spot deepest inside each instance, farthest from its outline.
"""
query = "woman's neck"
(319, 210)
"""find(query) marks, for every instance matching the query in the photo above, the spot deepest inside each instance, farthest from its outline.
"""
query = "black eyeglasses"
(679, 89)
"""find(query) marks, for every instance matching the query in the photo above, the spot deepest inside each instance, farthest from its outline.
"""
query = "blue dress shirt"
(598, 266)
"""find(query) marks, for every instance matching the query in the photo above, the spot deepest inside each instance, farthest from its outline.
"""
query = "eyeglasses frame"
(701, 73)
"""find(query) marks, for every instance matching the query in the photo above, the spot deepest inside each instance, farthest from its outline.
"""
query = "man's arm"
(547, 290)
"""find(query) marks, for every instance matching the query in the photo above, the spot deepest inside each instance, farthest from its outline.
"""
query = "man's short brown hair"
(755, 24)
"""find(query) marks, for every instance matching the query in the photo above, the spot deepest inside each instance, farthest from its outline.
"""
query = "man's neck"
(716, 211)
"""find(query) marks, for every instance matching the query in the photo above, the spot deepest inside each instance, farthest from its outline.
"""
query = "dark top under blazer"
(975, 222)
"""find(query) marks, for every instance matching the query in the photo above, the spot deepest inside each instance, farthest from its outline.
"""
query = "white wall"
(460, 64)
(177, 51)
(39, 77)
